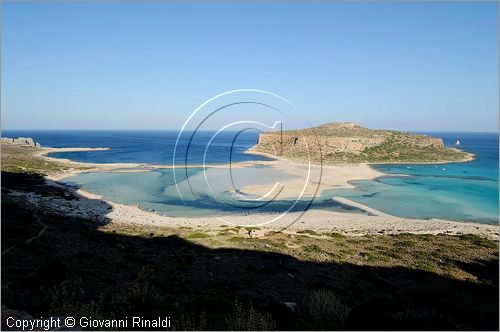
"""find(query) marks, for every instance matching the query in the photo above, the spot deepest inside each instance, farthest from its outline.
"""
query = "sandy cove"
(320, 178)
(94, 206)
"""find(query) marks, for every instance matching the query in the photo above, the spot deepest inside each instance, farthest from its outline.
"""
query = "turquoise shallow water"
(428, 197)
(458, 191)
(156, 190)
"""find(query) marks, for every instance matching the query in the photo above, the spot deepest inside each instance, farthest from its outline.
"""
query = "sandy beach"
(372, 222)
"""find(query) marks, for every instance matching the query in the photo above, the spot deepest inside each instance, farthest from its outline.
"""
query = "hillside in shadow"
(75, 269)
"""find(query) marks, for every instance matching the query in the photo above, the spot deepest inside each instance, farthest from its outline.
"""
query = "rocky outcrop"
(349, 142)
(23, 141)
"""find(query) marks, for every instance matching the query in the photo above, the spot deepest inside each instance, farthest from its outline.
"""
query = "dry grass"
(23, 159)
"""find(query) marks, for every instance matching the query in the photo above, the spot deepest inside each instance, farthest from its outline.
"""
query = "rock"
(16, 314)
(23, 141)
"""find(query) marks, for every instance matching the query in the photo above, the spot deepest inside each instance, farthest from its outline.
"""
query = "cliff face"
(348, 142)
(340, 144)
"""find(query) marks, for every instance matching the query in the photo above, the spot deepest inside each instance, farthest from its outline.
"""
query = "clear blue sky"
(409, 66)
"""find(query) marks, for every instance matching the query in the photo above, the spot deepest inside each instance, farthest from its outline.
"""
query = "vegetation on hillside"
(24, 159)
(394, 149)
(391, 146)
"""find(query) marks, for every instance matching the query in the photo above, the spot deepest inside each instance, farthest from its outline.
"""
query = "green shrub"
(312, 249)
(198, 235)
(480, 241)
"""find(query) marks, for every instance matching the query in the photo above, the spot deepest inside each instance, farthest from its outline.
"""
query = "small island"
(349, 143)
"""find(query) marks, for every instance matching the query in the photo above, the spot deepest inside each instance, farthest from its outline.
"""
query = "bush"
(68, 299)
(197, 235)
(246, 318)
(140, 298)
(325, 308)
(425, 319)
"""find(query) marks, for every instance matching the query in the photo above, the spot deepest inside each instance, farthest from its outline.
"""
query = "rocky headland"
(21, 141)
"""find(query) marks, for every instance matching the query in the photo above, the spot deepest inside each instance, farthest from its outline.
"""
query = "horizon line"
(125, 129)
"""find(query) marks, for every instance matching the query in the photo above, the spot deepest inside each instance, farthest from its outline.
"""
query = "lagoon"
(454, 191)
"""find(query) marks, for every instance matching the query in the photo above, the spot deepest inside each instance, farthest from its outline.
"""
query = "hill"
(350, 143)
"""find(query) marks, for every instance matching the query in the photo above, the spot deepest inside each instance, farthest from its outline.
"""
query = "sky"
(148, 65)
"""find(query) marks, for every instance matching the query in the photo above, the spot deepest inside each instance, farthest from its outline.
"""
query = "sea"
(465, 191)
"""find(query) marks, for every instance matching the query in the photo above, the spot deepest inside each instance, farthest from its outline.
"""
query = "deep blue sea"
(152, 147)
(457, 191)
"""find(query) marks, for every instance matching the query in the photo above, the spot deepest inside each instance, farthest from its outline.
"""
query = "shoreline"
(314, 220)
(94, 207)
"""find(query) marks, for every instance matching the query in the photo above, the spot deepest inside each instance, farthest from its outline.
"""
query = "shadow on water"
(227, 206)
(75, 269)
